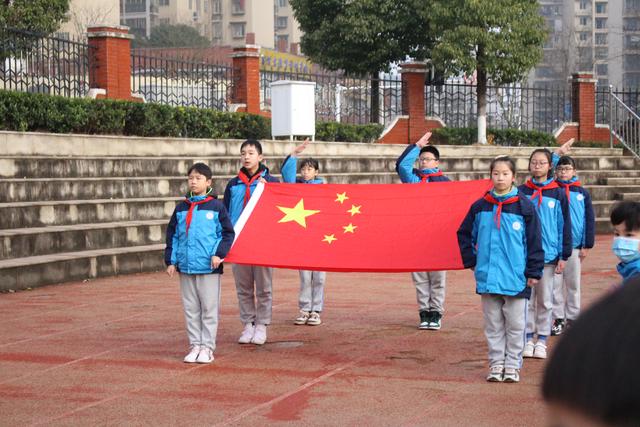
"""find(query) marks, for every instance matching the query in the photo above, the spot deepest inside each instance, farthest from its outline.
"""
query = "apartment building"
(139, 15)
(84, 13)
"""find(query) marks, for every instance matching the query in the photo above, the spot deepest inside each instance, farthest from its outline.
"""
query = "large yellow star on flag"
(341, 197)
(297, 213)
(354, 210)
(330, 238)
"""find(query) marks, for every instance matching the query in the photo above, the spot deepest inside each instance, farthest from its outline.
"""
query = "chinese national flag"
(355, 227)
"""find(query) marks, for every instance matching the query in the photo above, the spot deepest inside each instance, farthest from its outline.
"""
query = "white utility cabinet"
(293, 111)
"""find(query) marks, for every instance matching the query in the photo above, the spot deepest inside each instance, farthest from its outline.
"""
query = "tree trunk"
(375, 98)
(481, 93)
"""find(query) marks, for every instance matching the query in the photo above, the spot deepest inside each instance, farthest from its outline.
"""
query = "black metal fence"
(32, 62)
(343, 99)
(509, 106)
(630, 97)
(180, 82)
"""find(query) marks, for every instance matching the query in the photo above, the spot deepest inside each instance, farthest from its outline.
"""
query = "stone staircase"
(80, 207)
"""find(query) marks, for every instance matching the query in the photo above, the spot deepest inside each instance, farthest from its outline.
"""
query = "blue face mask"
(626, 248)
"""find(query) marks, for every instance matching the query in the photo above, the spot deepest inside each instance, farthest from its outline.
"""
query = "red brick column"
(413, 104)
(110, 60)
(583, 105)
(246, 63)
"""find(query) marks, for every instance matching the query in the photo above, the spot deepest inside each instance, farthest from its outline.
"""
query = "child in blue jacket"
(583, 225)
(199, 236)
(499, 240)
(430, 285)
(555, 222)
(311, 296)
(625, 218)
(253, 283)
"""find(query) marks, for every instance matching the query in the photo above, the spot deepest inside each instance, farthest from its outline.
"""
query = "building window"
(632, 5)
(601, 8)
(237, 30)
(163, 3)
(281, 22)
(217, 30)
(216, 7)
(632, 42)
(601, 22)
(632, 62)
(602, 52)
(601, 39)
(282, 3)
(190, 4)
(583, 4)
(282, 41)
(602, 69)
(584, 37)
(237, 7)
(206, 6)
(583, 21)
(165, 21)
(631, 24)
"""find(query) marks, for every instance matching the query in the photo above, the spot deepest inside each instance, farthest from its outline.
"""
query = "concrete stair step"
(41, 214)
(629, 196)
(29, 242)
(609, 192)
(603, 226)
(623, 181)
(23, 273)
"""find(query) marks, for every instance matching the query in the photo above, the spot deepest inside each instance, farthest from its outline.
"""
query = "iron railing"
(180, 82)
(509, 106)
(38, 63)
(630, 97)
(340, 98)
(624, 123)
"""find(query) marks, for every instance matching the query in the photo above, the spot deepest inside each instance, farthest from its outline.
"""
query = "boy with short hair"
(199, 236)
(253, 283)
(430, 285)
(625, 218)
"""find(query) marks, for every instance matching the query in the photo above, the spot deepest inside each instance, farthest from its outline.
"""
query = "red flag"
(355, 227)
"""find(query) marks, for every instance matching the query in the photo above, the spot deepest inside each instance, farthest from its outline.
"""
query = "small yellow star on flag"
(341, 197)
(298, 214)
(354, 210)
(349, 228)
(330, 238)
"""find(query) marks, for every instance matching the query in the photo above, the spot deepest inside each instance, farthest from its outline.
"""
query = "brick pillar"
(110, 60)
(246, 63)
(413, 102)
(583, 104)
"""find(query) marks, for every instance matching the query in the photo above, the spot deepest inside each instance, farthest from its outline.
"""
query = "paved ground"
(109, 351)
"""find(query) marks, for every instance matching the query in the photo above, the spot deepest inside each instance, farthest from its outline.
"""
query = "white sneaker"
(247, 334)
(528, 349)
(540, 350)
(193, 354)
(205, 356)
(314, 319)
(260, 335)
(511, 375)
(495, 374)
(302, 318)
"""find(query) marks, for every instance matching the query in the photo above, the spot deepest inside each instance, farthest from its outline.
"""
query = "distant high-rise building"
(84, 13)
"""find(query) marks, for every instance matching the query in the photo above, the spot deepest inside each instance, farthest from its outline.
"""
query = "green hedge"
(24, 112)
(507, 137)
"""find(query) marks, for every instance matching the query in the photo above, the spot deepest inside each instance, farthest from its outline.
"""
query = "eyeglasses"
(428, 159)
(536, 163)
(564, 169)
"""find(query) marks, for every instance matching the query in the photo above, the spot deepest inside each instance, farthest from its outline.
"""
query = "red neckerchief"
(489, 198)
(538, 190)
(568, 186)
(424, 177)
(247, 182)
(192, 206)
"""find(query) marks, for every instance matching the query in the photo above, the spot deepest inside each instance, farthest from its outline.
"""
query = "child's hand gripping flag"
(355, 227)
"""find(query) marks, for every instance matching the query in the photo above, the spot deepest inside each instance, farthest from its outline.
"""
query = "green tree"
(362, 37)
(40, 16)
(500, 40)
(173, 36)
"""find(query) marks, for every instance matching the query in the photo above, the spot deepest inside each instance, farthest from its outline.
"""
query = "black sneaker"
(425, 319)
(558, 327)
(436, 321)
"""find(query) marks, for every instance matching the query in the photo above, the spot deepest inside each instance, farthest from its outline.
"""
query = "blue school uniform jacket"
(504, 255)
(629, 269)
(583, 221)
(199, 229)
(288, 171)
(555, 220)
(410, 175)
(235, 194)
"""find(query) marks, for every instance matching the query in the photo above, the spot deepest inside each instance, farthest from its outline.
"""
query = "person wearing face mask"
(625, 218)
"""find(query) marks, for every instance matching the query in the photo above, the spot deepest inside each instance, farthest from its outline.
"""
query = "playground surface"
(109, 352)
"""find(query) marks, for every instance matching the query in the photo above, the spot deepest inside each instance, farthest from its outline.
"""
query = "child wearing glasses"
(566, 287)
(552, 206)
(430, 285)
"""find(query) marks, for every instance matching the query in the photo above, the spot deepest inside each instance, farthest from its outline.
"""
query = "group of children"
(525, 245)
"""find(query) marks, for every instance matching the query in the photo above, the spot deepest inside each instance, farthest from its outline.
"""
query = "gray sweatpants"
(253, 286)
(504, 323)
(430, 289)
(201, 301)
(541, 303)
(311, 290)
(566, 289)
